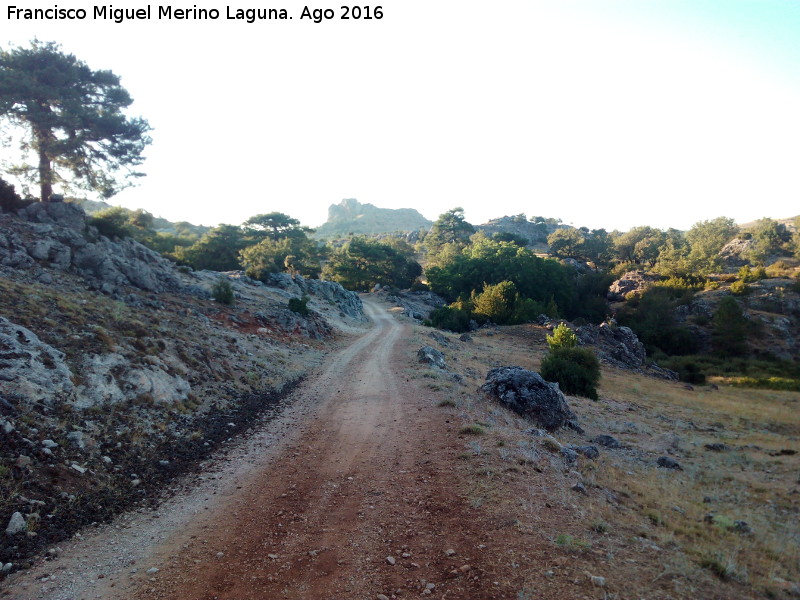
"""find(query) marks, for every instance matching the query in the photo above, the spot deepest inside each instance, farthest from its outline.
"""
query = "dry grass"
(726, 526)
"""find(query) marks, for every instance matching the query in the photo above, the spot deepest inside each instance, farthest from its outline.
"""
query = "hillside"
(352, 217)
(119, 371)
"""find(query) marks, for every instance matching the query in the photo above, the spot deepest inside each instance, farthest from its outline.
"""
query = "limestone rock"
(526, 393)
(632, 281)
(431, 356)
(29, 368)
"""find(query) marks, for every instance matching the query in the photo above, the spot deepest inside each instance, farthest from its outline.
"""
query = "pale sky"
(605, 113)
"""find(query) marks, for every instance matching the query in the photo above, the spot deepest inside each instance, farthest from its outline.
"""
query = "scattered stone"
(579, 487)
(717, 447)
(784, 452)
(597, 581)
(609, 441)
(741, 527)
(49, 444)
(669, 463)
(430, 586)
(381, 597)
(16, 524)
(23, 461)
(76, 439)
(152, 570)
(465, 337)
(78, 468)
(526, 393)
(549, 574)
(272, 556)
(450, 552)
(569, 454)
(551, 444)
(391, 560)
(573, 424)
(7, 567)
(587, 451)
(220, 555)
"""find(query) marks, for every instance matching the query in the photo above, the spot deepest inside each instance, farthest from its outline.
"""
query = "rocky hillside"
(119, 371)
(535, 233)
(350, 216)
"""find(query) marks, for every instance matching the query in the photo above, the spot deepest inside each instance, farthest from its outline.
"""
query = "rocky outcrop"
(57, 236)
(618, 346)
(520, 226)
(630, 282)
(329, 291)
(290, 323)
(417, 305)
(30, 369)
(350, 216)
(526, 393)
(110, 379)
(734, 252)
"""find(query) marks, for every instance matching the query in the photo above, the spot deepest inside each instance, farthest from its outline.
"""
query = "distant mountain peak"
(351, 216)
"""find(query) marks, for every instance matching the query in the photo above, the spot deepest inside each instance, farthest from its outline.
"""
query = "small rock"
(220, 554)
(7, 567)
(669, 463)
(597, 581)
(391, 560)
(152, 570)
(450, 552)
(609, 441)
(272, 556)
(78, 468)
(23, 461)
(717, 447)
(76, 439)
(49, 444)
(569, 454)
(16, 524)
(106, 459)
(741, 527)
(136, 482)
(430, 586)
(381, 597)
(465, 568)
(549, 574)
(579, 487)
(587, 451)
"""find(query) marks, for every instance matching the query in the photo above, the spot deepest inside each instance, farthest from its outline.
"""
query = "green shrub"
(222, 291)
(688, 370)
(496, 302)
(563, 337)
(299, 305)
(452, 319)
(739, 287)
(576, 370)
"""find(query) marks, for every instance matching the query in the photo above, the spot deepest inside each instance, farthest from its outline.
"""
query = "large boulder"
(526, 393)
(630, 282)
(618, 346)
(431, 356)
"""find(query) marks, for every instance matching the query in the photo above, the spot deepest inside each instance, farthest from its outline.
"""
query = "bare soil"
(371, 484)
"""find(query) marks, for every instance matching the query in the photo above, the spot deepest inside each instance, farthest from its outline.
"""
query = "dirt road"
(350, 494)
(355, 506)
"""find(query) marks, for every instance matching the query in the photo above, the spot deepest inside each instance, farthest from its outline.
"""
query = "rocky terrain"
(119, 371)
(352, 217)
